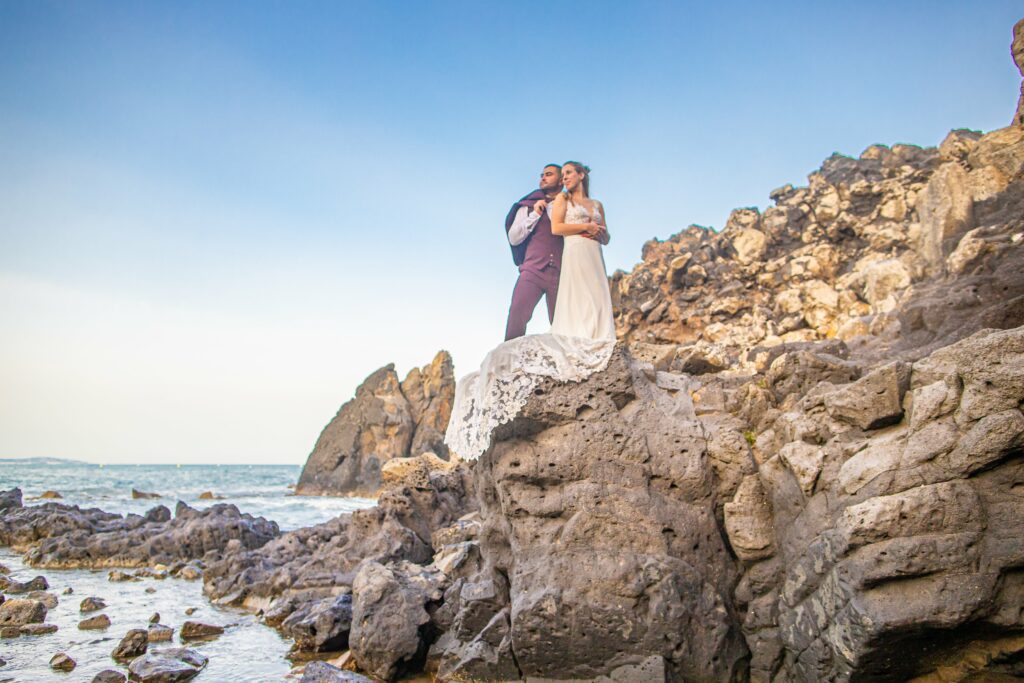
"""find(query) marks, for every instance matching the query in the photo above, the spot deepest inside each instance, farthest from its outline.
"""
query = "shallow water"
(256, 489)
(246, 651)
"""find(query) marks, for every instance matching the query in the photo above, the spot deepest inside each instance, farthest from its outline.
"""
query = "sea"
(247, 651)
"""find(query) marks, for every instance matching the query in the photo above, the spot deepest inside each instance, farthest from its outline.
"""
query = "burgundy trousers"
(530, 287)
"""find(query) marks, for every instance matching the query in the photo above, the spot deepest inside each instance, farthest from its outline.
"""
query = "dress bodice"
(577, 213)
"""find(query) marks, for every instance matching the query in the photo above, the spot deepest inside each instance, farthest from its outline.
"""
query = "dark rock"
(321, 626)
(133, 644)
(92, 604)
(10, 499)
(154, 618)
(197, 629)
(64, 536)
(169, 665)
(37, 584)
(61, 662)
(100, 621)
(322, 672)
(20, 611)
(190, 610)
(388, 618)
(136, 495)
(108, 676)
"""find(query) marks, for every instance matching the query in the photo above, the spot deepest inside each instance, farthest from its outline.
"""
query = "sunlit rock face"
(387, 419)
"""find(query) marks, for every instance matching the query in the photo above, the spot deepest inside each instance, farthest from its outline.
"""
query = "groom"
(536, 251)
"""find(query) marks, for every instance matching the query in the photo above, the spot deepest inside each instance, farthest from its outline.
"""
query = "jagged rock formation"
(387, 419)
(901, 251)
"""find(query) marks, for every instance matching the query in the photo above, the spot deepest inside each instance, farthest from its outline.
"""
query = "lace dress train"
(580, 343)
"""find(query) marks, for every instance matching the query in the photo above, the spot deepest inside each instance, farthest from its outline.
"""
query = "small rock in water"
(150, 589)
(322, 672)
(209, 495)
(37, 584)
(158, 633)
(50, 494)
(136, 494)
(118, 575)
(9, 632)
(173, 664)
(61, 662)
(190, 573)
(132, 645)
(191, 610)
(37, 629)
(92, 604)
(108, 676)
(155, 618)
(197, 629)
(18, 611)
(68, 591)
(97, 622)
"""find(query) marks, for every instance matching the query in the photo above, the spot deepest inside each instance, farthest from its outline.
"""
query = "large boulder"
(170, 665)
(600, 541)
(387, 419)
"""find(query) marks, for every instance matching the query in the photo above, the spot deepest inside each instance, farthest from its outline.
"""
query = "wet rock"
(158, 633)
(322, 672)
(10, 499)
(92, 604)
(20, 611)
(209, 495)
(136, 495)
(68, 591)
(191, 610)
(63, 536)
(133, 644)
(48, 599)
(169, 665)
(120, 576)
(10, 631)
(321, 626)
(37, 629)
(61, 662)
(197, 629)
(39, 583)
(52, 495)
(109, 676)
(154, 618)
(100, 621)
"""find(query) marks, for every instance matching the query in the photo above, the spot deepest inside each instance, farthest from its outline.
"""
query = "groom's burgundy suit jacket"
(542, 249)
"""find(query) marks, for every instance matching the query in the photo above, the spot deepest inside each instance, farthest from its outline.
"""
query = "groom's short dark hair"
(558, 166)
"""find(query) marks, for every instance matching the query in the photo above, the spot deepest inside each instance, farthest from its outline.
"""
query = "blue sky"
(216, 218)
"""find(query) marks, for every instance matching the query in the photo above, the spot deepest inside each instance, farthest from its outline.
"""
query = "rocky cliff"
(386, 420)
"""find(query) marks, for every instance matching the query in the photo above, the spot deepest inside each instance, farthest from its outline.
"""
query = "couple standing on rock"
(556, 234)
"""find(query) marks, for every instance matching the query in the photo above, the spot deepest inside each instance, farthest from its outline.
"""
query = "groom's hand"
(540, 206)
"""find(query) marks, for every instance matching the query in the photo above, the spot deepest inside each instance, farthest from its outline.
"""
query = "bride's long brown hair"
(584, 171)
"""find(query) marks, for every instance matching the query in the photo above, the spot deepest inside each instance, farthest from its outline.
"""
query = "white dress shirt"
(523, 225)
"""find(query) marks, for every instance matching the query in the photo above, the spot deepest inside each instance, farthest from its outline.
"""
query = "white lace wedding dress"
(580, 343)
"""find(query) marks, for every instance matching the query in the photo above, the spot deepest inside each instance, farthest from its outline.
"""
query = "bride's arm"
(603, 237)
(558, 224)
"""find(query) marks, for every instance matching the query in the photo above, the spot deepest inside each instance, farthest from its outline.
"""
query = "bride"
(582, 332)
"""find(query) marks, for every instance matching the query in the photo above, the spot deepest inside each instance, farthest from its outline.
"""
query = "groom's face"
(551, 179)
